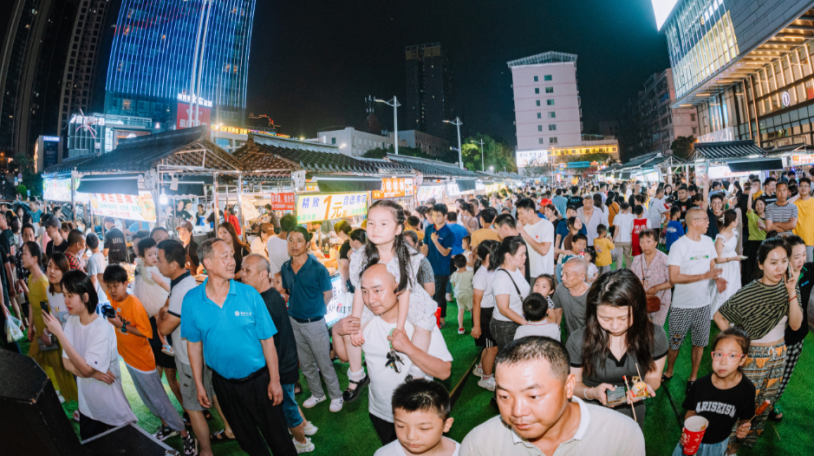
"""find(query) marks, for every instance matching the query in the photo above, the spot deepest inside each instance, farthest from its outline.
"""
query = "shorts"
(421, 312)
(503, 332)
(683, 320)
(464, 301)
(485, 340)
(706, 449)
(189, 392)
(162, 359)
(290, 409)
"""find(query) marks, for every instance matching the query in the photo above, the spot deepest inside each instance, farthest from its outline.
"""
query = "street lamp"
(457, 122)
(491, 169)
(395, 104)
(481, 153)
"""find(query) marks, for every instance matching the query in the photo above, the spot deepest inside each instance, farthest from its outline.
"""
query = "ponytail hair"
(400, 248)
(487, 248)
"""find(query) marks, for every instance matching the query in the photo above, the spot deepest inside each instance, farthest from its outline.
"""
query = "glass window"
(537, 90)
(536, 79)
(547, 77)
(539, 128)
(551, 103)
(549, 90)
(552, 115)
(333, 141)
(541, 140)
(552, 140)
(552, 128)
(538, 102)
(539, 115)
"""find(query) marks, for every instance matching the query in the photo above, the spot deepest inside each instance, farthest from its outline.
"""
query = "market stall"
(650, 168)
(733, 159)
(444, 182)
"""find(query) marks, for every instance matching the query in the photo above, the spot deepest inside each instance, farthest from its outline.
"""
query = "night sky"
(313, 63)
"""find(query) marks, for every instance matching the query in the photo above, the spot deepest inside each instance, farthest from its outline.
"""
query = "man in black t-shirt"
(575, 200)
(115, 244)
(6, 236)
(255, 268)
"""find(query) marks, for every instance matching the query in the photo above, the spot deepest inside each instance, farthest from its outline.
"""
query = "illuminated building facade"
(746, 67)
(159, 47)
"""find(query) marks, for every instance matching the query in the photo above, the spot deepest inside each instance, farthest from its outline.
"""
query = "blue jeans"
(706, 449)
(290, 409)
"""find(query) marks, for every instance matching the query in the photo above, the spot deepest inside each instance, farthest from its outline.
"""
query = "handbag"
(653, 302)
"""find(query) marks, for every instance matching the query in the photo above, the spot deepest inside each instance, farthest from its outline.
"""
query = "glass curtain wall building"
(150, 72)
(746, 67)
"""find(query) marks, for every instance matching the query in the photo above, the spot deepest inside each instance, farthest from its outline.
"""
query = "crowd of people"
(580, 299)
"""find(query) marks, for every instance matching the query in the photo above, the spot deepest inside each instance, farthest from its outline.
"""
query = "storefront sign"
(723, 172)
(430, 191)
(60, 190)
(316, 208)
(283, 201)
(129, 207)
(452, 189)
(805, 159)
(311, 187)
(394, 188)
(337, 309)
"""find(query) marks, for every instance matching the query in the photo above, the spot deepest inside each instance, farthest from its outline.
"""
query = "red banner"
(282, 201)
(186, 119)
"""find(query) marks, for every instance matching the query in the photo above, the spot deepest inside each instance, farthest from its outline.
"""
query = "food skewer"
(639, 372)
(631, 404)
(762, 408)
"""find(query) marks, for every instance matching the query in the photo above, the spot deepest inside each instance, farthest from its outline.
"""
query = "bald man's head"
(574, 272)
(697, 220)
(379, 290)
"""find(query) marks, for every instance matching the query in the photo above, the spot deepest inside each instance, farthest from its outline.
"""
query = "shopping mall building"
(745, 65)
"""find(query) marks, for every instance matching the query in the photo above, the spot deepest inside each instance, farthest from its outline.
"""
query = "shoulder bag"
(653, 302)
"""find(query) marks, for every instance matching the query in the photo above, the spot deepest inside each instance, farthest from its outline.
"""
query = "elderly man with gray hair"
(570, 298)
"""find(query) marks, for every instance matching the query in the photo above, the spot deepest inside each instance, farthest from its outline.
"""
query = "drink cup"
(694, 428)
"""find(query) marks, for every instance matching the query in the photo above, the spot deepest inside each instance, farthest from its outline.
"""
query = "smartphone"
(45, 307)
(615, 397)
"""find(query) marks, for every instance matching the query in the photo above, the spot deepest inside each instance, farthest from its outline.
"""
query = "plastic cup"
(694, 428)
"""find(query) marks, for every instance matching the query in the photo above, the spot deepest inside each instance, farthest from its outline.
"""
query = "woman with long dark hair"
(509, 288)
(618, 341)
(728, 261)
(226, 231)
(483, 306)
(764, 308)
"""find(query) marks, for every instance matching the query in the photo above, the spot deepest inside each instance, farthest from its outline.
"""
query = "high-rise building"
(746, 67)
(430, 91)
(548, 112)
(169, 55)
(33, 61)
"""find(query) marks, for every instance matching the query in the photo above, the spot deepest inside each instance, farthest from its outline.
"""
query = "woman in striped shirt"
(764, 308)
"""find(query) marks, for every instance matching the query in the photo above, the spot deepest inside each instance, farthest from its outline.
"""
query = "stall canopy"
(727, 150)
(648, 161)
(432, 168)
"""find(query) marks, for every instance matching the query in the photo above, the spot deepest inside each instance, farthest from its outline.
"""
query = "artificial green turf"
(350, 432)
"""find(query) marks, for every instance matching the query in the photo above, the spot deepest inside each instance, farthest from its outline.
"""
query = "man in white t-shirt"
(622, 236)
(277, 246)
(656, 209)
(379, 293)
(539, 236)
(692, 266)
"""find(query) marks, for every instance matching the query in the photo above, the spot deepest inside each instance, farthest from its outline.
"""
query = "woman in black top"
(618, 340)
(227, 232)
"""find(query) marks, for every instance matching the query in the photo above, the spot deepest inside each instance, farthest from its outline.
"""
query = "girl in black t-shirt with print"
(724, 397)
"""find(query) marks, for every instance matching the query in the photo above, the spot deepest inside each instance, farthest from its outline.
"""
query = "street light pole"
(457, 122)
(482, 168)
(395, 104)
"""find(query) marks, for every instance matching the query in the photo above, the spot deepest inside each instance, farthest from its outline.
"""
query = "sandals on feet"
(350, 394)
(220, 436)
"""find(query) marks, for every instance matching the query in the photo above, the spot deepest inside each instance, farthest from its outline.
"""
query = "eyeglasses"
(729, 356)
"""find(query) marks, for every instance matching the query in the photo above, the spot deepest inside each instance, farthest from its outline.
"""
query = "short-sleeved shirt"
(575, 201)
(603, 247)
(482, 281)
(35, 216)
(96, 264)
(673, 232)
(178, 290)
(542, 231)
(805, 220)
(509, 283)
(563, 231)
(284, 341)
(614, 369)
(50, 248)
(657, 208)
(781, 214)
(343, 251)
(446, 238)
(278, 253)
(561, 203)
(541, 329)
(573, 307)
(116, 245)
(135, 350)
(305, 288)
(694, 259)
(722, 408)
(624, 222)
(483, 234)
(459, 233)
(73, 262)
(230, 334)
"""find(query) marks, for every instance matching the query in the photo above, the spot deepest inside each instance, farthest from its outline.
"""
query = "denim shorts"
(706, 449)
(290, 409)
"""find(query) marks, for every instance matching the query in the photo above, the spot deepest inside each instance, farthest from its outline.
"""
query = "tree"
(31, 180)
(496, 152)
(682, 146)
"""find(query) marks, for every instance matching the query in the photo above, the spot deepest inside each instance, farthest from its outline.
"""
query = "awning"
(465, 185)
(114, 184)
(188, 186)
(756, 165)
(727, 150)
(340, 184)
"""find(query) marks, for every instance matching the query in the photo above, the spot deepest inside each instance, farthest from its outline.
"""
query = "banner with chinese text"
(316, 208)
(60, 190)
(394, 188)
(282, 201)
(129, 207)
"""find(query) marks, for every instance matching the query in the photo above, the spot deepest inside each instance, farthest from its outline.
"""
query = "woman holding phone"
(44, 349)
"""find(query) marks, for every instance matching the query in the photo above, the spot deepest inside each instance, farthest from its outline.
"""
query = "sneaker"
(164, 433)
(306, 447)
(310, 429)
(190, 445)
(461, 331)
(313, 400)
(478, 371)
(487, 383)
(350, 395)
(336, 405)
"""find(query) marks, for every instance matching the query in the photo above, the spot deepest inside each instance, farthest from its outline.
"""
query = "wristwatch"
(123, 329)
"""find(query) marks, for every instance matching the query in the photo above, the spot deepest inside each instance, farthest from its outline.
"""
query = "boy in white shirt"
(535, 308)
(622, 237)
(421, 412)
(461, 281)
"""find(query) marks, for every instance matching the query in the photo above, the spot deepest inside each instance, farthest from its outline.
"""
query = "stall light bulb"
(163, 198)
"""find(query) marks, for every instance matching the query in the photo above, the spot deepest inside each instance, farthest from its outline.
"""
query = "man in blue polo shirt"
(227, 323)
(309, 290)
(440, 239)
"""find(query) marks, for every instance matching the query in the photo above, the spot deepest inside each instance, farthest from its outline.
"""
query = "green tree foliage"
(31, 180)
(682, 146)
(496, 153)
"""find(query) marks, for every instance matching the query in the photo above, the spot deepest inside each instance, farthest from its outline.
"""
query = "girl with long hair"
(764, 308)
(44, 349)
(483, 306)
(386, 245)
(510, 288)
(618, 341)
(56, 267)
(226, 231)
(728, 261)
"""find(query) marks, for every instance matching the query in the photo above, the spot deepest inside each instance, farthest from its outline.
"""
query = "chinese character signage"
(316, 208)
(394, 188)
(129, 207)
(805, 159)
(282, 201)
(60, 190)
(338, 308)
